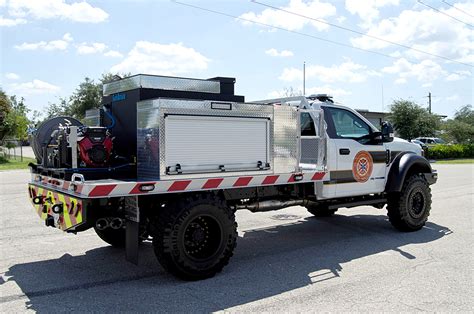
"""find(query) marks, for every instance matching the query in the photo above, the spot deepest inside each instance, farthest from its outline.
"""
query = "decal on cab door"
(362, 166)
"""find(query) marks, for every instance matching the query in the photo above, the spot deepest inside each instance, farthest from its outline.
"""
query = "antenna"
(304, 78)
(383, 105)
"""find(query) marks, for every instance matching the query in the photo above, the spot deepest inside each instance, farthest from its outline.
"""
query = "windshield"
(439, 141)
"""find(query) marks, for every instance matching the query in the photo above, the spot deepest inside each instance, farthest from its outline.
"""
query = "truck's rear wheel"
(114, 237)
(195, 236)
(409, 209)
(320, 210)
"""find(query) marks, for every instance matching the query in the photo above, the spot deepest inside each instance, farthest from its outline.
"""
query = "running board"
(359, 203)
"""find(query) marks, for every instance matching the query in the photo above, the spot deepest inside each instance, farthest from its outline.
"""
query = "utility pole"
(304, 78)
(429, 102)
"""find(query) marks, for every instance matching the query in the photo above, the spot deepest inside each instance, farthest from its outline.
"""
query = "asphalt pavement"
(285, 261)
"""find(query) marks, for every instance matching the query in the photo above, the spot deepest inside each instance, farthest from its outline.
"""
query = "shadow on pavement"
(267, 262)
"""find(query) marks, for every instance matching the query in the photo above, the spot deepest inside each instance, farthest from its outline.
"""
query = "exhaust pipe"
(102, 223)
(116, 223)
(270, 205)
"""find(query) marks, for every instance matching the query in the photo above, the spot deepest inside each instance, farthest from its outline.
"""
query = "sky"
(366, 54)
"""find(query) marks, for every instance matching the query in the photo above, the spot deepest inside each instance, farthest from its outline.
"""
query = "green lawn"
(10, 164)
(456, 161)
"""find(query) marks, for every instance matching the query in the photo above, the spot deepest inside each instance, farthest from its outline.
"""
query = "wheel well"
(417, 168)
(403, 167)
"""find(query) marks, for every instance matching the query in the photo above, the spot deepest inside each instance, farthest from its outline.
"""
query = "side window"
(307, 125)
(348, 125)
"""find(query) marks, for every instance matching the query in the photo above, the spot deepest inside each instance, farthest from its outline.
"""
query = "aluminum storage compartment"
(192, 138)
(214, 144)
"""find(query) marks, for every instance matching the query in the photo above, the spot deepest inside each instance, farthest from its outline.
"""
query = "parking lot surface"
(285, 261)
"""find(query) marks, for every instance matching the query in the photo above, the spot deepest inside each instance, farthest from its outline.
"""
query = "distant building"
(376, 118)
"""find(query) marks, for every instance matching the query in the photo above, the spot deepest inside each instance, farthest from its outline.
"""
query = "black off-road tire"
(409, 209)
(114, 237)
(321, 210)
(194, 237)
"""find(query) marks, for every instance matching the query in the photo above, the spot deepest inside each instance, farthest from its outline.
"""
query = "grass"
(456, 161)
(11, 164)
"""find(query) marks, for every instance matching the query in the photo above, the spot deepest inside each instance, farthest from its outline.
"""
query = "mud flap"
(132, 216)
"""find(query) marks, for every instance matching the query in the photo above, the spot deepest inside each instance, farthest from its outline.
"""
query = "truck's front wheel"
(194, 237)
(409, 209)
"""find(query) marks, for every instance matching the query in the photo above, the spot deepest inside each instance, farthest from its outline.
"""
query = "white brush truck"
(171, 160)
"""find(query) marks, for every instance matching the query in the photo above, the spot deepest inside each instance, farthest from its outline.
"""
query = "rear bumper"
(431, 177)
(57, 209)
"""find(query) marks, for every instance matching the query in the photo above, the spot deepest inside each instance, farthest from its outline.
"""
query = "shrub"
(450, 151)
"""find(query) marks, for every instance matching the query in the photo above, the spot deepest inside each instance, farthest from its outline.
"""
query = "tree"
(461, 128)
(58, 109)
(17, 118)
(410, 120)
(5, 108)
(88, 95)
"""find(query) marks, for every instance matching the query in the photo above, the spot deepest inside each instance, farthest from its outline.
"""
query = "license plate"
(66, 211)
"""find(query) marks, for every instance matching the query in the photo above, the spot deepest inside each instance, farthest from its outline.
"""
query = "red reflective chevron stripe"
(243, 181)
(101, 190)
(212, 183)
(318, 176)
(270, 179)
(179, 185)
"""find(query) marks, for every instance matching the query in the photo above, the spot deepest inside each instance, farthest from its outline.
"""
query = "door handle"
(344, 151)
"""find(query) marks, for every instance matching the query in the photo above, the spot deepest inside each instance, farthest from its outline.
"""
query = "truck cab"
(359, 156)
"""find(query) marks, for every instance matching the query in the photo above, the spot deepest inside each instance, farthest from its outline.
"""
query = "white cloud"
(8, 22)
(49, 9)
(12, 76)
(341, 19)
(453, 97)
(427, 85)
(34, 87)
(368, 10)
(347, 71)
(2, 3)
(92, 48)
(163, 59)
(425, 30)
(275, 53)
(459, 75)
(400, 80)
(426, 71)
(113, 54)
(315, 9)
(60, 44)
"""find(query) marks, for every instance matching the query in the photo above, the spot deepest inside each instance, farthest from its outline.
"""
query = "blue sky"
(49, 46)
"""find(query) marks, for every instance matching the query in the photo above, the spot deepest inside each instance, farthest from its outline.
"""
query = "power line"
(360, 33)
(429, 6)
(294, 32)
(453, 6)
(282, 28)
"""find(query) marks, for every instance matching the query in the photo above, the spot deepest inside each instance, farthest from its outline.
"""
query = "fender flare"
(404, 164)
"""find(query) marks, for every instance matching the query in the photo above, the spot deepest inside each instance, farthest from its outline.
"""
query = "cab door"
(360, 160)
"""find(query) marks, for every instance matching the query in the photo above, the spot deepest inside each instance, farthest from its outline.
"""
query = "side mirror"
(387, 132)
